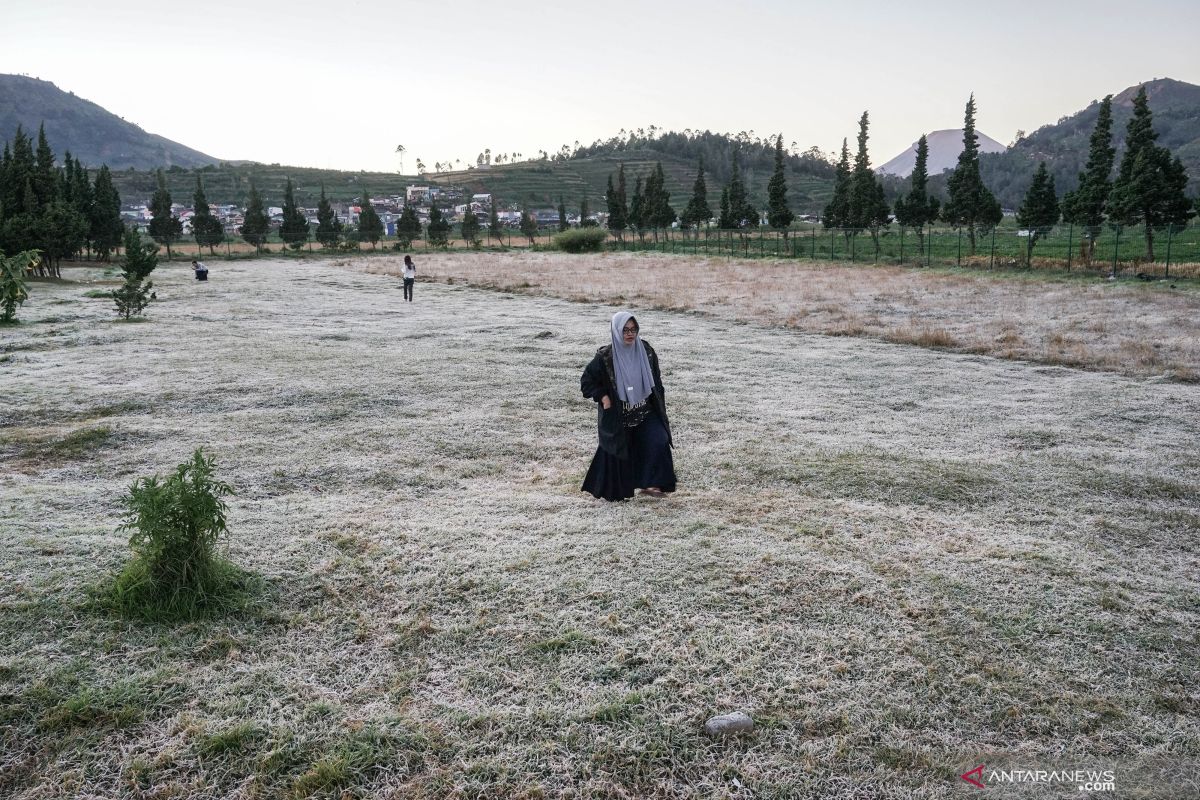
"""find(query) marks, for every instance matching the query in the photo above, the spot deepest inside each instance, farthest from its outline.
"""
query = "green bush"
(176, 522)
(12, 282)
(581, 240)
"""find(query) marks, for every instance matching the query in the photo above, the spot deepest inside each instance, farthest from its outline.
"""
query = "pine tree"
(618, 215)
(408, 227)
(1085, 205)
(294, 230)
(136, 292)
(470, 226)
(917, 208)
(105, 227)
(438, 231)
(663, 214)
(725, 220)
(370, 226)
(1149, 189)
(970, 205)
(529, 225)
(165, 227)
(837, 212)
(562, 215)
(329, 227)
(779, 216)
(206, 229)
(255, 224)
(1039, 213)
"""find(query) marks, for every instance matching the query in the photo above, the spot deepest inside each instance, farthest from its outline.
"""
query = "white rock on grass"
(729, 724)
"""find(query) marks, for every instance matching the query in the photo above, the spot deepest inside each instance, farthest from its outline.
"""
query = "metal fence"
(1111, 249)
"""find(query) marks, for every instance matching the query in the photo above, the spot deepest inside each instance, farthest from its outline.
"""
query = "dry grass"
(1127, 327)
(896, 559)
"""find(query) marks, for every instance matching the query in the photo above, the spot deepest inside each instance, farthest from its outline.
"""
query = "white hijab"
(631, 367)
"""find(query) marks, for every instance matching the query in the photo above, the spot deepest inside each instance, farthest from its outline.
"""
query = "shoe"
(658, 493)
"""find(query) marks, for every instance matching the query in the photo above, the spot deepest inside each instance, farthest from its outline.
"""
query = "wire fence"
(1116, 250)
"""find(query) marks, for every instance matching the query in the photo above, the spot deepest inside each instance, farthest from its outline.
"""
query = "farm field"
(1131, 327)
(901, 561)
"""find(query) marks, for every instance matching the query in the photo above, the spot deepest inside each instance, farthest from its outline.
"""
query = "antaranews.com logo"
(1085, 780)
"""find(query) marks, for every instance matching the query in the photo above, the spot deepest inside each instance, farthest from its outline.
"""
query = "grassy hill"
(536, 183)
(1064, 145)
(90, 133)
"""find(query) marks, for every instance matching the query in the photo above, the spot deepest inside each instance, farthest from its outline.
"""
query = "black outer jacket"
(598, 380)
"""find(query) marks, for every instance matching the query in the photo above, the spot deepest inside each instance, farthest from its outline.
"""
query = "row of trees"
(58, 211)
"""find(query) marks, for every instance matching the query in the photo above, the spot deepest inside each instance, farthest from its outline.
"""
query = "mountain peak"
(91, 134)
(944, 149)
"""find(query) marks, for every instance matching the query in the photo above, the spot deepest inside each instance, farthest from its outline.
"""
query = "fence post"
(1116, 247)
(1170, 232)
(929, 247)
(853, 243)
(958, 258)
(1070, 244)
(814, 243)
(992, 260)
(902, 245)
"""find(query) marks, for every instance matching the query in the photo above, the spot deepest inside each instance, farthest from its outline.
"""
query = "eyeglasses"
(629, 330)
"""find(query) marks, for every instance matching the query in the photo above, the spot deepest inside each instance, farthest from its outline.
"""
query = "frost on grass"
(1074, 320)
(895, 559)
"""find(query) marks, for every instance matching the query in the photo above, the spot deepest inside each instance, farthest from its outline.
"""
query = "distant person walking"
(410, 277)
(635, 436)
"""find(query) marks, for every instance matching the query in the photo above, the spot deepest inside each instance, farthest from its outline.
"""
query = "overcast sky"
(340, 84)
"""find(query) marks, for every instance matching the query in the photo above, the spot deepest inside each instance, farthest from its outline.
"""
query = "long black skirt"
(649, 464)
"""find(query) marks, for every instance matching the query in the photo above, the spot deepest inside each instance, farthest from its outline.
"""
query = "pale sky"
(340, 84)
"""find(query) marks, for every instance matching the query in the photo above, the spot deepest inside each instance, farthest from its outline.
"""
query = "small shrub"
(137, 292)
(12, 282)
(581, 240)
(176, 523)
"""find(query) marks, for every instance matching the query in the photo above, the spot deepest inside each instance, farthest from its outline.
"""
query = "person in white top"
(410, 277)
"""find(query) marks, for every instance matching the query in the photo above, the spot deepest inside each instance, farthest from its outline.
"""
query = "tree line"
(58, 211)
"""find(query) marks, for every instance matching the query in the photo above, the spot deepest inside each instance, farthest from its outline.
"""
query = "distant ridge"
(91, 134)
(944, 149)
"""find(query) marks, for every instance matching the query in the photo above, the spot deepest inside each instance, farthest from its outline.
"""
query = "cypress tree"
(438, 232)
(165, 227)
(105, 226)
(1085, 205)
(294, 230)
(408, 227)
(1149, 189)
(837, 212)
(918, 209)
(329, 227)
(970, 205)
(470, 226)
(742, 213)
(637, 209)
(562, 215)
(206, 229)
(622, 204)
(725, 220)
(370, 226)
(584, 213)
(19, 197)
(697, 210)
(868, 210)
(779, 216)
(62, 232)
(45, 182)
(1039, 212)
(529, 225)
(494, 227)
(255, 225)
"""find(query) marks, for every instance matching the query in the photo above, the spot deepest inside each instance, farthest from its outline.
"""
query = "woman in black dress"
(635, 437)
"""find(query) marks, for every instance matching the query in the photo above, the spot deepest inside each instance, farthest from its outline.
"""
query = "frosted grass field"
(900, 561)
